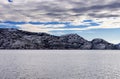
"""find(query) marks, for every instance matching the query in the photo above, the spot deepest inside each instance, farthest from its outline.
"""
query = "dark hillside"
(18, 39)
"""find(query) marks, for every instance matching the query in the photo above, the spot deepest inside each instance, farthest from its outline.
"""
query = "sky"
(88, 18)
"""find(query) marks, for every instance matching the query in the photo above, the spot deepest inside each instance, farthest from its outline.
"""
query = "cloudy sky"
(88, 18)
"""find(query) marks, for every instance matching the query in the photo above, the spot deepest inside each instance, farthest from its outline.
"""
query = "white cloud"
(31, 28)
(109, 22)
(40, 28)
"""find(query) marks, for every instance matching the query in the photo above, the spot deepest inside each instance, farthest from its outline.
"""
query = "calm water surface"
(59, 64)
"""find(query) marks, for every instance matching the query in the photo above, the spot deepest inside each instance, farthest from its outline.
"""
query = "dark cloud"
(97, 7)
(102, 15)
(50, 10)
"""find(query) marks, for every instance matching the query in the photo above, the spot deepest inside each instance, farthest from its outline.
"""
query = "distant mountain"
(18, 39)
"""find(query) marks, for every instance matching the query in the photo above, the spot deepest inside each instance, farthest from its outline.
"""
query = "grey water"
(59, 64)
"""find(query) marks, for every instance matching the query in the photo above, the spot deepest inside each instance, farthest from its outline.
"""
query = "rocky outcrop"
(101, 44)
(117, 46)
(18, 39)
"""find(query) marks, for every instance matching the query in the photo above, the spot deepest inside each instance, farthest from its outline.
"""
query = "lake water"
(59, 64)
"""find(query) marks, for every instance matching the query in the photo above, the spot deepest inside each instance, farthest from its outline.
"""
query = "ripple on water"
(79, 65)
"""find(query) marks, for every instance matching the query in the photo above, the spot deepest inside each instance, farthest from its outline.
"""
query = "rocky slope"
(18, 39)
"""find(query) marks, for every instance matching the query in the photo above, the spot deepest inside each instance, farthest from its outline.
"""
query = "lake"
(59, 64)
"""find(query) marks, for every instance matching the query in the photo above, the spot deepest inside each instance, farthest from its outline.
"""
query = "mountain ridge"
(18, 39)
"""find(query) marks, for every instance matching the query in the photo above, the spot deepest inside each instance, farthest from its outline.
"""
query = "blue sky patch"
(47, 23)
(13, 22)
